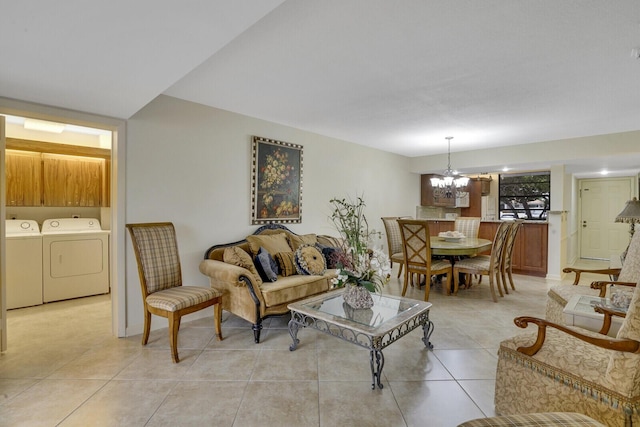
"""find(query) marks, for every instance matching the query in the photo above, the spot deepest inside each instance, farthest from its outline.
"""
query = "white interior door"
(601, 200)
(3, 215)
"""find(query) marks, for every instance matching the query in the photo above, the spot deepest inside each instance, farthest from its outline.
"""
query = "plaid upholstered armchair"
(161, 281)
(560, 368)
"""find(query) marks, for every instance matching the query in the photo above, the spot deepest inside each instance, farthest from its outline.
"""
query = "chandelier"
(444, 186)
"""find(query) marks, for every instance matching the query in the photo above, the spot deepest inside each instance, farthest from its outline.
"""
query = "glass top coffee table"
(387, 321)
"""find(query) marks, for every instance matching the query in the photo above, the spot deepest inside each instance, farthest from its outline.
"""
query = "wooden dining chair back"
(416, 246)
(487, 265)
(467, 225)
(507, 256)
(394, 240)
(160, 275)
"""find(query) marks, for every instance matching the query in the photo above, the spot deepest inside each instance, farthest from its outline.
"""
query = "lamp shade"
(631, 212)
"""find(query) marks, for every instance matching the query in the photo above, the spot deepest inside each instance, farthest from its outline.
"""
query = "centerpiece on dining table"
(361, 268)
(451, 236)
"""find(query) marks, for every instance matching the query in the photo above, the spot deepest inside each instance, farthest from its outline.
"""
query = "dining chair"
(507, 256)
(416, 247)
(467, 225)
(488, 265)
(394, 239)
(160, 274)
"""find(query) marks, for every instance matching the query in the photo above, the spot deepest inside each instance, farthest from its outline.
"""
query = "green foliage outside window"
(526, 196)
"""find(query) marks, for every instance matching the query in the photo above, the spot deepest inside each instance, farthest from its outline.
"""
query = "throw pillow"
(236, 256)
(309, 261)
(295, 241)
(266, 266)
(273, 243)
(327, 252)
(286, 263)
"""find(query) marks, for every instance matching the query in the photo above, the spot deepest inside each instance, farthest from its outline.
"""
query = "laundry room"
(57, 211)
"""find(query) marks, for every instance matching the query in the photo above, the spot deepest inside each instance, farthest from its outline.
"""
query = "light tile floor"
(64, 368)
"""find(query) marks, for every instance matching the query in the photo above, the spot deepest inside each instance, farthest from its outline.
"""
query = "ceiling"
(397, 76)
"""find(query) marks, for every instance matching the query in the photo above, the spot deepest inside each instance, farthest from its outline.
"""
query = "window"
(525, 195)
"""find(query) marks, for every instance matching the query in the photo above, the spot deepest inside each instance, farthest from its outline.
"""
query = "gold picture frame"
(276, 182)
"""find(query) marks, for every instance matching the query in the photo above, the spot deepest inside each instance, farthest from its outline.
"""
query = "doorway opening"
(86, 150)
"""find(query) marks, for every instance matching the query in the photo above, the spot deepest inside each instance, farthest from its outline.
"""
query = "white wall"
(190, 164)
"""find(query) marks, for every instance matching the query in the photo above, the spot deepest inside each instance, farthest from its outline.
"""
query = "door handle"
(584, 224)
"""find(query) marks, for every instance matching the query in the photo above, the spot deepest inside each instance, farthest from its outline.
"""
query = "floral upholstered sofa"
(268, 270)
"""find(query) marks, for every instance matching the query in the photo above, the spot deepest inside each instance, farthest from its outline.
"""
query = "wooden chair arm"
(602, 285)
(626, 345)
(608, 315)
(579, 271)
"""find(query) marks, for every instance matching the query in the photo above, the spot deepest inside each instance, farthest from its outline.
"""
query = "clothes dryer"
(24, 263)
(75, 258)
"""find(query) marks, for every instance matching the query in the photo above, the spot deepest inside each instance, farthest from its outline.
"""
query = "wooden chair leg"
(456, 283)
(493, 288)
(147, 326)
(427, 287)
(503, 278)
(174, 326)
(406, 281)
(513, 286)
(400, 269)
(217, 314)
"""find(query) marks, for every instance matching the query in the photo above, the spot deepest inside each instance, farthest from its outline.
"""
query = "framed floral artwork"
(276, 182)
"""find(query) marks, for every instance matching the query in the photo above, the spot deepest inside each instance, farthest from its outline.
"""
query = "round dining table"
(469, 246)
(466, 246)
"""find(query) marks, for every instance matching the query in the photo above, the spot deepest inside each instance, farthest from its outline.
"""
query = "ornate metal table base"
(374, 342)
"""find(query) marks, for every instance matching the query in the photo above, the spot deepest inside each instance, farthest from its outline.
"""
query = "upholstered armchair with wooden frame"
(160, 274)
(559, 295)
(561, 368)
(416, 246)
(394, 240)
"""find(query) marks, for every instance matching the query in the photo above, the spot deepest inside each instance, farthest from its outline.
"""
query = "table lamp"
(630, 214)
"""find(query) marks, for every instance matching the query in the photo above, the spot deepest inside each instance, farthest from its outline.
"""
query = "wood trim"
(55, 148)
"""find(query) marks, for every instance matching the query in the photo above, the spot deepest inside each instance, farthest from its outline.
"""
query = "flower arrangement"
(360, 265)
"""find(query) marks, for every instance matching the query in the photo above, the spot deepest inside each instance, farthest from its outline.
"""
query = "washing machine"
(75, 258)
(24, 263)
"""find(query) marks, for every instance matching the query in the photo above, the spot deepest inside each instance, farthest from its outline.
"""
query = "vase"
(357, 297)
(360, 315)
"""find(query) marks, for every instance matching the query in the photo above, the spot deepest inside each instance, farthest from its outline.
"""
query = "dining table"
(470, 246)
(451, 248)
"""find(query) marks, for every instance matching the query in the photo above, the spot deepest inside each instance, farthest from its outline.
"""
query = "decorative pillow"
(236, 256)
(295, 241)
(335, 242)
(273, 243)
(286, 263)
(266, 266)
(309, 261)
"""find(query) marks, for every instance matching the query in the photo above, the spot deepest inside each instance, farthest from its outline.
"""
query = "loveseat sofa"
(295, 269)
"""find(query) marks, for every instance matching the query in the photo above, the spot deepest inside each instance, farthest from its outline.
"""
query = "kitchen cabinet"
(475, 199)
(530, 250)
(438, 226)
(72, 181)
(428, 196)
(23, 173)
